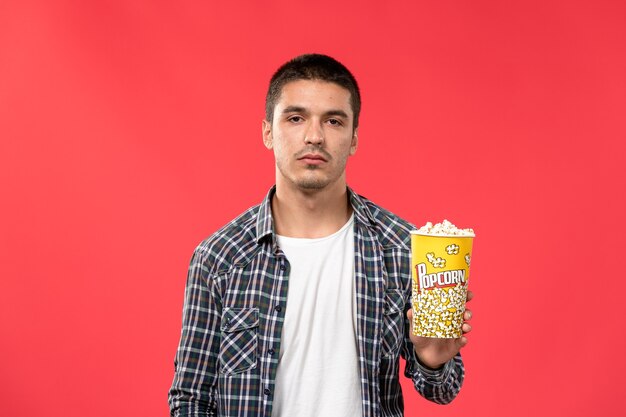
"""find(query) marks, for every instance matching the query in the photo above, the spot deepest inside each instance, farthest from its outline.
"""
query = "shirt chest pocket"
(238, 349)
(393, 322)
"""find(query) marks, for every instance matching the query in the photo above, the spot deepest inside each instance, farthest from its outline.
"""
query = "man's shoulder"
(231, 245)
(391, 229)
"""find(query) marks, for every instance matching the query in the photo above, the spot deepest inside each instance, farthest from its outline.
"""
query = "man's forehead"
(309, 93)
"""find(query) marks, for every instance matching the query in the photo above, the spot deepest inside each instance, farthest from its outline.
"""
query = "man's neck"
(310, 214)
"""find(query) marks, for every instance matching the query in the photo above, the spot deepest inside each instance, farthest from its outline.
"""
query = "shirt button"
(278, 308)
(266, 391)
(283, 267)
(271, 351)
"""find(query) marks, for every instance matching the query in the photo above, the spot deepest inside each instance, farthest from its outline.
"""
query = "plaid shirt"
(234, 311)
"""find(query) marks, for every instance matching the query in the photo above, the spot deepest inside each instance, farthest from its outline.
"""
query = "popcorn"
(440, 311)
(445, 228)
(436, 262)
(440, 262)
(452, 249)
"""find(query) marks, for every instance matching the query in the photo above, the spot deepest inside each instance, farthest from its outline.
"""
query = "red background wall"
(131, 130)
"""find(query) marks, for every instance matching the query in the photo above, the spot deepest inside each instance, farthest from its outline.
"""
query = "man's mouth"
(312, 159)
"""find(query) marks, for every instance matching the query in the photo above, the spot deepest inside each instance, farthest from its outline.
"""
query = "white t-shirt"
(318, 371)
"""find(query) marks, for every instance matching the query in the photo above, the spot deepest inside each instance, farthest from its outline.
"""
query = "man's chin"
(312, 185)
(312, 182)
(309, 181)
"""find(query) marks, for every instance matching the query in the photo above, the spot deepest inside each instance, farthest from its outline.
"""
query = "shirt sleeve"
(193, 391)
(441, 385)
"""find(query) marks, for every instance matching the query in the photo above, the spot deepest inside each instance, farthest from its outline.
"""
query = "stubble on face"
(314, 181)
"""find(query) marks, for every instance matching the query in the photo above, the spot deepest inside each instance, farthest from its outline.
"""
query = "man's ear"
(355, 141)
(267, 134)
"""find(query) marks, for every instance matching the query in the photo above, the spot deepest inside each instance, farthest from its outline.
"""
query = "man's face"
(312, 134)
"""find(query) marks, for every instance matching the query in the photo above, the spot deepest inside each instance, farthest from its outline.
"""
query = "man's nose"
(314, 134)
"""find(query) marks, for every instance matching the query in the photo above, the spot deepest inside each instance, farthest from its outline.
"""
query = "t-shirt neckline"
(303, 240)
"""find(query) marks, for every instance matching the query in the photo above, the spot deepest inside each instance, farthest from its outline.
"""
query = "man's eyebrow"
(340, 113)
(294, 109)
(300, 109)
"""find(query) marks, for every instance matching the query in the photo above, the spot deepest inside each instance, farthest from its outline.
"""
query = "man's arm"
(437, 385)
(193, 391)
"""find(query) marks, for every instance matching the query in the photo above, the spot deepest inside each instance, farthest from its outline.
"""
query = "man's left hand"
(434, 352)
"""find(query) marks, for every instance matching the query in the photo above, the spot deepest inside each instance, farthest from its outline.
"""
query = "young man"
(301, 305)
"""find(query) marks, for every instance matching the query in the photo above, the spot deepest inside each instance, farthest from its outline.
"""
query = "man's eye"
(295, 119)
(334, 122)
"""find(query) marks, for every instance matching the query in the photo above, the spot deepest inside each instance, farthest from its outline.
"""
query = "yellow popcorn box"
(440, 269)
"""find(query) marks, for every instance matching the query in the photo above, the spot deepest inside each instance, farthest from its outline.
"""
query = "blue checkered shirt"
(234, 310)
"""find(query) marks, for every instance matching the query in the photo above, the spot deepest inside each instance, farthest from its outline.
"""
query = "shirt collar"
(265, 223)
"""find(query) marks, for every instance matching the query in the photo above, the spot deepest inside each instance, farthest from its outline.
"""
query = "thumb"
(409, 315)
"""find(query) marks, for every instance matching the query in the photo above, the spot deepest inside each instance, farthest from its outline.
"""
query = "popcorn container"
(440, 267)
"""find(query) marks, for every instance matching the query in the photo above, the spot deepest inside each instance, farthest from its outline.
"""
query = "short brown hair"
(313, 67)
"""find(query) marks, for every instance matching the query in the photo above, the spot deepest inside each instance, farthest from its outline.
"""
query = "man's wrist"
(427, 365)
(433, 375)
